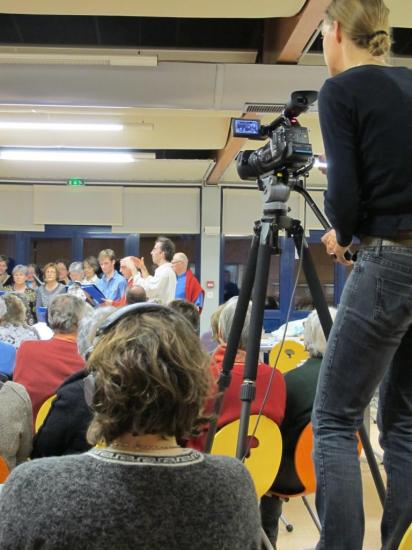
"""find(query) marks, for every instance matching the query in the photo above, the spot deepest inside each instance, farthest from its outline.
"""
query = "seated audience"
(50, 288)
(42, 366)
(189, 311)
(146, 490)
(7, 359)
(275, 404)
(230, 289)
(33, 278)
(210, 339)
(301, 385)
(13, 327)
(20, 288)
(5, 278)
(16, 424)
(64, 429)
(62, 271)
(135, 295)
(90, 269)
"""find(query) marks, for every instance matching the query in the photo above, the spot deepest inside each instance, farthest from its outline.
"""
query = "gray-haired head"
(88, 327)
(19, 268)
(315, 341)
(76, 267)
(226, 321)
(65, 313)
(3, 308)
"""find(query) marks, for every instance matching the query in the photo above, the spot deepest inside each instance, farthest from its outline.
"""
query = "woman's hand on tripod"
(333, 248)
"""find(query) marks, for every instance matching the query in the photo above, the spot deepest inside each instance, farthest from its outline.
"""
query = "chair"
(43, 412)
(4, 470)
(304, 470)
(291, 353)
(264, 457)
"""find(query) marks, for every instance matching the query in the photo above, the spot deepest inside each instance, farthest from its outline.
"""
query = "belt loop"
(379, 246)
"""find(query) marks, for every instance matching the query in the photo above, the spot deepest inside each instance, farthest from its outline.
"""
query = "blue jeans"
(370, 343)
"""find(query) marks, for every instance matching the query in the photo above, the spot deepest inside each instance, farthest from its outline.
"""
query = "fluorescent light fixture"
(42, 155)
(65, 126)
(131, 60)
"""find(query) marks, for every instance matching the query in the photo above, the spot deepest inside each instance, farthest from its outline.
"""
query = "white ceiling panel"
(158, 8)
(170, 85)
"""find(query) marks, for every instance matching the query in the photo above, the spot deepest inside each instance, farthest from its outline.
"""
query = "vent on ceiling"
(264, 108)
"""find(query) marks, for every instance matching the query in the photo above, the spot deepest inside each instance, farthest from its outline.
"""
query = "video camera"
(288, 148)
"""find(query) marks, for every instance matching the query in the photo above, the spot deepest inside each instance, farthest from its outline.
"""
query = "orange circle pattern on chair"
(264, 457)
(292, 354)
(4, 470)
(304, 465)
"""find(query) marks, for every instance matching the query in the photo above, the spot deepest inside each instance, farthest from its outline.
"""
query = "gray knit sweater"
(16, 424)
(110, 500)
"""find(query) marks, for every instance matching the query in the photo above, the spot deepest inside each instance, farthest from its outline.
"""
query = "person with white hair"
(76, 275)
(43, 365)
(188, 287)
(129, 272)
(301, 385)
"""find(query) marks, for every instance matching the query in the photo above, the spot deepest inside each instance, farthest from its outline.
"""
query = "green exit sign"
(75, 182)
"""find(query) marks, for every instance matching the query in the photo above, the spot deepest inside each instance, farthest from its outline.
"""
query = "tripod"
(264, 244)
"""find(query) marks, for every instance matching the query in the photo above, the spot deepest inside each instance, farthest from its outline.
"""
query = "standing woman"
(365, 111)
(50, 288)
(20, 288)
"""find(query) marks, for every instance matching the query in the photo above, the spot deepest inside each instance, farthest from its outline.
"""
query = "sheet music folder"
(94, 292)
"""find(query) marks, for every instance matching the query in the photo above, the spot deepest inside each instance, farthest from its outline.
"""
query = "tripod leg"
(255, 331)
(234, 336)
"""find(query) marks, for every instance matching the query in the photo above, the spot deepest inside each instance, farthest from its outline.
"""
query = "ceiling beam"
(226, 155)
(285, 38)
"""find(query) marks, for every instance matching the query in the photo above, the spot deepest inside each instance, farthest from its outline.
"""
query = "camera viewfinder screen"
(245, 128)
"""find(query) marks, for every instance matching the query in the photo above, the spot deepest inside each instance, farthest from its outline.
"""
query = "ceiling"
(172, 72)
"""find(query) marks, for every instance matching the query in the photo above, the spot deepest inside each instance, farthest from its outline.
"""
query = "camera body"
(288, 147)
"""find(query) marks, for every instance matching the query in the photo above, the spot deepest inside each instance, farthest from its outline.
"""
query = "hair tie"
(377, 33)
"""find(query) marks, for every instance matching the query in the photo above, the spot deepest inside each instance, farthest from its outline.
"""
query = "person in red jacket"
(276, 402)
(188, 287)
(42, 366)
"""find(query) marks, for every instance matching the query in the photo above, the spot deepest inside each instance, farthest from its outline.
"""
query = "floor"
(305, 535)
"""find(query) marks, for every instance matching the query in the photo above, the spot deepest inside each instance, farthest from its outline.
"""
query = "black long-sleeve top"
(366, 121)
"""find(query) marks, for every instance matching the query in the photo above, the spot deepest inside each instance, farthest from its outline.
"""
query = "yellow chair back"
(4, 470)
(264, 457)
(291, 354)
(43, 412)
(406, 542)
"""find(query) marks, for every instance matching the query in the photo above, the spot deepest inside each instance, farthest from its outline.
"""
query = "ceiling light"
(65, 126)
(131, 60)
(42, 155)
